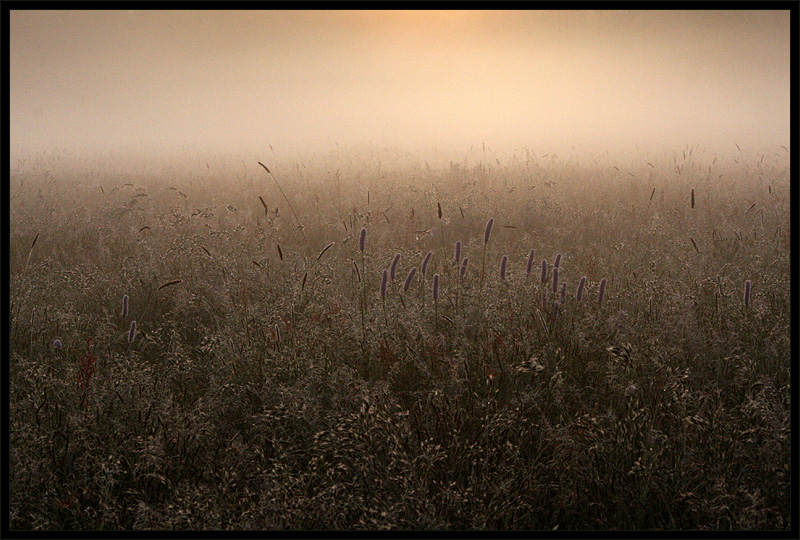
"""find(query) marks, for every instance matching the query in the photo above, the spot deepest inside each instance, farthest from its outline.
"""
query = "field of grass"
(269, 384)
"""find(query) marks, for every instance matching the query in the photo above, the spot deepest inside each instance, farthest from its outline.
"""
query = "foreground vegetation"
(271, 382)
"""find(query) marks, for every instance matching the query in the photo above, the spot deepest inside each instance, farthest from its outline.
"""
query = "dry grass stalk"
(170, 283)
(321, 253)
(302, 229)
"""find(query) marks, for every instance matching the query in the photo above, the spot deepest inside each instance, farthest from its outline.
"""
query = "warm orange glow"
(555, 79)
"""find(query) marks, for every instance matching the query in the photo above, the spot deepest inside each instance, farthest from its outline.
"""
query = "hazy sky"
(300, 80)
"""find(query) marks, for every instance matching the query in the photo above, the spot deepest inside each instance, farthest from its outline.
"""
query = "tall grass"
(487, 234)
(265, 390)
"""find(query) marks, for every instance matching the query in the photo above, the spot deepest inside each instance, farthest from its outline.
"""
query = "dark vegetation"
(269, 386)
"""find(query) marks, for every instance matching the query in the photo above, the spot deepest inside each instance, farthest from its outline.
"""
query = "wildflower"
(488, 232)
(436, 286)
(555, 279)
(426, 260)
(557, 263)
(409, 278)
(544, 271)
(529, 266)
(503, 264)
(362, 239)
(384, 280)
(57, 344)
(86, 367)
(124, 306)
(581, 285)
(132, 332)
(458, 251)
(747, 287)
(463, 270)
(393, 268)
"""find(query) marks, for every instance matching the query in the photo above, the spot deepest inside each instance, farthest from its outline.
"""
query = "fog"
(554, 81)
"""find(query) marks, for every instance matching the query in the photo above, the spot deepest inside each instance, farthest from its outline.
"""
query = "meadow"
(281, 375)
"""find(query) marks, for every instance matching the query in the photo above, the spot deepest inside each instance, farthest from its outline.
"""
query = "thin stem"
(436, 313)
(302, 229)
(483, 265)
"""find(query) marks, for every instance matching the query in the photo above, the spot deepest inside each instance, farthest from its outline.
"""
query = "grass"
(265, 390)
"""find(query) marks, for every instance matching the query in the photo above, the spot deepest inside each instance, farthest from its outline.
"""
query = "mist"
(317, 270)
(299, 81)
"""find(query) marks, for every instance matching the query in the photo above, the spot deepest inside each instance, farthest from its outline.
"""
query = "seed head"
(436, 286)
(555, 279)
(124, 306)
(581, 285)
(384, 281)
(393, 268)
(503, 264)
(556, 305)
(425, 261)
(57, 344)
(544, 271)
(747, 287)
(458, 251)
(463, 271)
(362, 239)
(529, 266)
(557, 262)
(409, 279)
(132, 332)
(602, 290)
(488, 232)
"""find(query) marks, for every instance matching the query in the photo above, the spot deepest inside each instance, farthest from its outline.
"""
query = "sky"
(233, 81)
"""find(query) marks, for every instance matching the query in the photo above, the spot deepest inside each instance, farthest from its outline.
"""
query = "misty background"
(240, 81)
